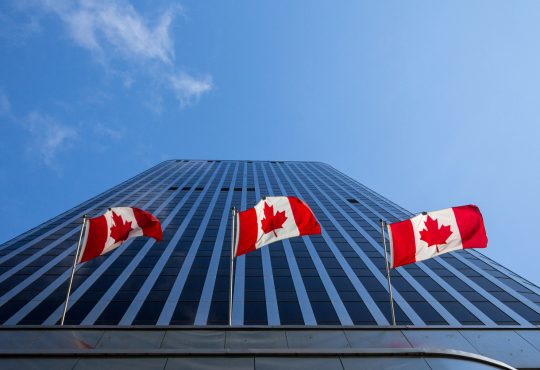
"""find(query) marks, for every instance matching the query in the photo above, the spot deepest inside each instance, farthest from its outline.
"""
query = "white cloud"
(115, 30)
(99, 25)
(188, 88)
(48, 138)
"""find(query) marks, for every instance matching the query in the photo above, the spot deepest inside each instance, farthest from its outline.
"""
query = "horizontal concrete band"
(381, 352)
(226, 328)
(516, 346)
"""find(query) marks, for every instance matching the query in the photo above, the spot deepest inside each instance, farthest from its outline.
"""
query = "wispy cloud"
(48, 137)
(100, 25)
(188, 88)
(49, 140)
(136, 50)
(115, 30)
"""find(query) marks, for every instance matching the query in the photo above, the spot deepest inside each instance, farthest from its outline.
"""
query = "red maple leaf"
(120, 230)
(433, 234)
(272, 221)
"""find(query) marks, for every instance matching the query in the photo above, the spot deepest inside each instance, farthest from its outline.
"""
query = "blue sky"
(431, 104)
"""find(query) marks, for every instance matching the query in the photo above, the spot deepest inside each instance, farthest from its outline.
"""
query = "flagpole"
(73, 269)
(388, 275)
(231, 273)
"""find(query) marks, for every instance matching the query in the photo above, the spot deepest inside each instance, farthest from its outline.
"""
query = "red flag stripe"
(247, 231)
(402, 245)
(471, 226)
(97, 233)
(149, 224)
(304, 217)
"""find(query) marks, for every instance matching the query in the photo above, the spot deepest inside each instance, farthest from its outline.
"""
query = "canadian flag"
(106, 232)
(431, 234)
(273, 219)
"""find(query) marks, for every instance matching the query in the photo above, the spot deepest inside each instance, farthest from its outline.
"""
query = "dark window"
(494, 313)
(525, 311)
(461, 313)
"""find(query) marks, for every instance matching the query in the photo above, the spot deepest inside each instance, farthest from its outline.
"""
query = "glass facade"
(337, 278)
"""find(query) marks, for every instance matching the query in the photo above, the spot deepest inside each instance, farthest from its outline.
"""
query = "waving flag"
(273, 219)
(431, 234)
(108, 231)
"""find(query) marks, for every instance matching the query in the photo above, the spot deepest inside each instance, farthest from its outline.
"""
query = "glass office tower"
(337, 278)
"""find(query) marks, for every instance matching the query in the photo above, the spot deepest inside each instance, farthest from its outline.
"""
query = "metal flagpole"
(388, 274)
(231, 274)
(85, 217)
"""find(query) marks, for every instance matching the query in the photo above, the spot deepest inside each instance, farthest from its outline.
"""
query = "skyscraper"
(337, 278)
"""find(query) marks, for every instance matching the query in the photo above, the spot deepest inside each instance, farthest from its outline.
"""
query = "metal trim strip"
(464, 278)
(301, 293)
(63, 277)
(410, 279)
(272, 310)
(176, 291)
(240, 269)
(404, 305)
(335, 299)
(96, 311)
(201, 317)
(81, 289)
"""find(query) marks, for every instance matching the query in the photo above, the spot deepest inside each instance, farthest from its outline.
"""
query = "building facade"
(337, 278)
